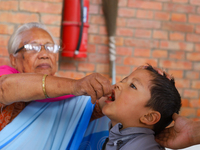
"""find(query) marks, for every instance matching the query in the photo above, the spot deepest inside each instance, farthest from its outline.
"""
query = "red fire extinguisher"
(75, 27)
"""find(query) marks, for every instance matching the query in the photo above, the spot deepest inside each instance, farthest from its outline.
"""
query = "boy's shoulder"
(143, 142)
(132, 138)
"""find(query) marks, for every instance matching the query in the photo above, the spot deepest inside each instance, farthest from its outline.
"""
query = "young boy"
(141, 105)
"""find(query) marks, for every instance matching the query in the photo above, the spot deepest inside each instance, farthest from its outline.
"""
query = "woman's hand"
(94, 85)
(183, 134)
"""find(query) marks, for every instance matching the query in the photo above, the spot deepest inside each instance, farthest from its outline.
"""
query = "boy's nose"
(116, 86)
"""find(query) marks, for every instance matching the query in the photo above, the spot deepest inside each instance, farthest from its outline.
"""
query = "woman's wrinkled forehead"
(35, 35)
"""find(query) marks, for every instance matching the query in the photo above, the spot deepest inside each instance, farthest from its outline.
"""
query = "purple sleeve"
(7, 70)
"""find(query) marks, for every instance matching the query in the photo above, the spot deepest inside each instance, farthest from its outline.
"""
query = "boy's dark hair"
(164, 98)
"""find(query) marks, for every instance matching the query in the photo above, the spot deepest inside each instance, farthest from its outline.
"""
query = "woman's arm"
(27, 87)
(184, 133)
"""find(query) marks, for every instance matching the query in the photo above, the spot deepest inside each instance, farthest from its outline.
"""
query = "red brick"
(86, 67)
(197, 66)
(119, 41)
(96, 1)
(177, 36)
(195, 2)
(162, 15)
(122, 3)
(196, 84)
(185, 102)
(79, 59)
(9, 5)
(119, 78)
(147, 24)
(91, 48)
(198, 10)
(103, 68)
(196, 119)
(142, 33)
(188, 112)
(177, 45)
(123, 70)
(176, 73)
(71, 74)
(119, 59)
(194, 18)
(143, 43)
(193, 38)
(190, 93)
(159, 53)
(197, 29)
(197, 47)
(54, 1)
(180, 1)
(4, 61)
(192, 74)
(182, 83)
(163, 0)
(126, 12)
(54, 30)
(6, 29)
(97, 20)
(19, 18)
(172, 7)
(94, 9)
(3, 51)
(98, 58)
(102, 30)
(142, 52)
(183, 65)
(198, 113)
(177, 27)
(103, 49)
(139, 61)
(4, 40)
(193, 56)
(121, 22)
(124, 31)
(51, 19)
(93, 28)
(180, 91)
(97, 39)
(124, 51)
(42, 7)
(145, 14)
(178, 17)
(159, 34)
(67, 66)
(145, 4)
(179, 55)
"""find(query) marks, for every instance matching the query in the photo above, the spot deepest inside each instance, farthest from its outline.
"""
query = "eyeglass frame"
(24, 46)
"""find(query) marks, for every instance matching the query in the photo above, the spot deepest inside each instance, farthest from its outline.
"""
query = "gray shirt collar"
(116, 134)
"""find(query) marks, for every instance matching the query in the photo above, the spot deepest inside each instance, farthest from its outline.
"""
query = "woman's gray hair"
(15, 38)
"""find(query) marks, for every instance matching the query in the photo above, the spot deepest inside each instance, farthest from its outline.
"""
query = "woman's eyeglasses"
(34, 47)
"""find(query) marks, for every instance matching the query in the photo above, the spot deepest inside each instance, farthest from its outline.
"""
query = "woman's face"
(35, 62)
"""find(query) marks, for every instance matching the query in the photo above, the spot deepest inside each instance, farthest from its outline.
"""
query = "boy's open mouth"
(112, 97)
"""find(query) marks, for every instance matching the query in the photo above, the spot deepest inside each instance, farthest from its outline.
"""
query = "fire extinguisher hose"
(81, 29)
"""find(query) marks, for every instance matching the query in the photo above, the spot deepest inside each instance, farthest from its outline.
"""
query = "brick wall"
(164, 33)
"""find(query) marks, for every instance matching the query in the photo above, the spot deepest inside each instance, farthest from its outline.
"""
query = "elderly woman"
(35, 125)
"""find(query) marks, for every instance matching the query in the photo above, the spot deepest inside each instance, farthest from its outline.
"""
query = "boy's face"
(131, 96)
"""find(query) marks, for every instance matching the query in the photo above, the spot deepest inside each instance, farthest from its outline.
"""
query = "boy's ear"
(151, 118)
(13, 60)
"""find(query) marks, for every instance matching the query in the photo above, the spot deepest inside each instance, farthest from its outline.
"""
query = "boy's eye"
(133, 86)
